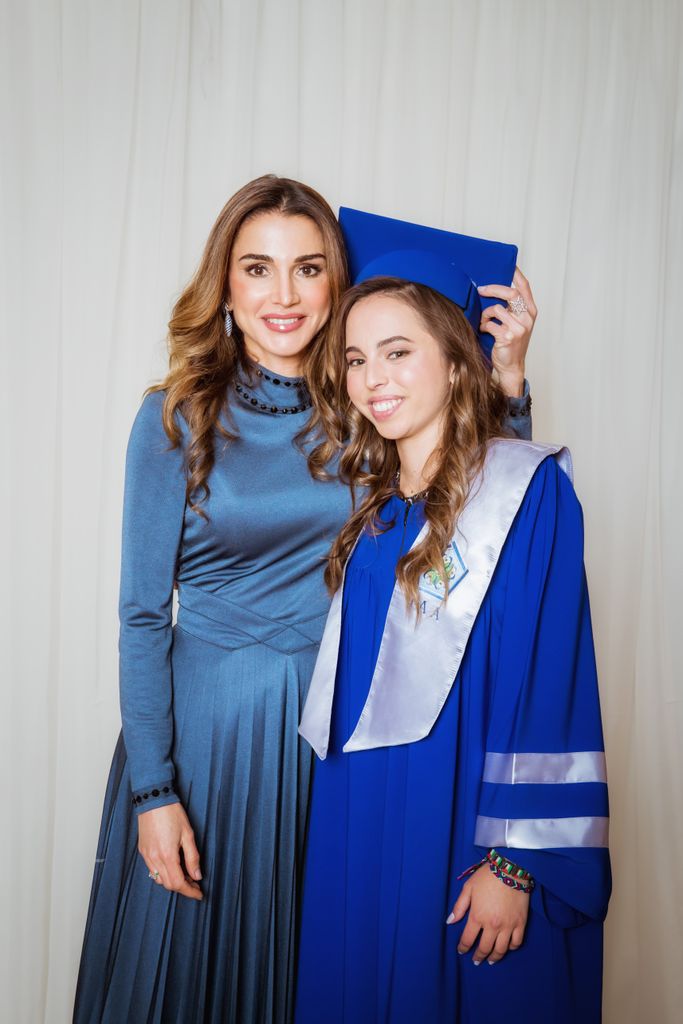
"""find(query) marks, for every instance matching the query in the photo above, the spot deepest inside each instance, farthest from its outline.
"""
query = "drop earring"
(228, 319)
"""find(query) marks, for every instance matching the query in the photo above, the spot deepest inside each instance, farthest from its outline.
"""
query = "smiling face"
(398, 376)
(279, 288)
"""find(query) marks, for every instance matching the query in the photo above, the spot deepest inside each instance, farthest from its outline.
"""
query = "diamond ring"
(154, 875)
(517, 305)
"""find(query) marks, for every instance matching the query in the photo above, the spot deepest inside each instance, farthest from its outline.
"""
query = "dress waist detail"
(233, 626)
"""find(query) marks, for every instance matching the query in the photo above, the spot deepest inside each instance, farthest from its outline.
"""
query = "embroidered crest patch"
(455, 568)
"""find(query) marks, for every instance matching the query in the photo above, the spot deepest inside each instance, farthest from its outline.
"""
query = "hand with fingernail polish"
(497, 915)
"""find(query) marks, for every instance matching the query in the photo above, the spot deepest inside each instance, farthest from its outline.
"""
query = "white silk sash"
(419, 660)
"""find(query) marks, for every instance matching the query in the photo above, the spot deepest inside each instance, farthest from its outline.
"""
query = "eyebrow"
(381, 344)
(262, 258)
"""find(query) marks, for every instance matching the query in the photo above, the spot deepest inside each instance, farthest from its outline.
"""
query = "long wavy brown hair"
(203, 360)
(475, 413)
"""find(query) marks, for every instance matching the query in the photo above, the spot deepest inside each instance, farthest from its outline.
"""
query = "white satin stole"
(419, 659)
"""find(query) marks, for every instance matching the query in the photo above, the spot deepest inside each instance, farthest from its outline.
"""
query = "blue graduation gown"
(391, 828)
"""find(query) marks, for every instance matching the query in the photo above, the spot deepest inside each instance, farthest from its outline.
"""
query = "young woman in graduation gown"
(193, 911)
(454, 703)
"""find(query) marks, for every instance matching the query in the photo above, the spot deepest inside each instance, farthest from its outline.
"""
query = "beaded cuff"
(518, 407)
(151, 794)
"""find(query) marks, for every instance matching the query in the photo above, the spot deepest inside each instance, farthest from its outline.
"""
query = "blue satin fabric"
(212, 703)
(392, 828)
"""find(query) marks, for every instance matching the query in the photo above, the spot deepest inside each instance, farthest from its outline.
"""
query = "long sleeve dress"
(210, 710)
(392, 828)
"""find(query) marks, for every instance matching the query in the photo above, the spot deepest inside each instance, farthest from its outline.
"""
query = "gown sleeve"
(543, 793)
(153, 511)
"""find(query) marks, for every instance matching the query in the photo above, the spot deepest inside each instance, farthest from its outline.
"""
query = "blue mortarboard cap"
(426, 267)
(447, 262)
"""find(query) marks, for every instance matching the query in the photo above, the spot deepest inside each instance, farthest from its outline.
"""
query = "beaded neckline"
(264, 394)
(287, 382)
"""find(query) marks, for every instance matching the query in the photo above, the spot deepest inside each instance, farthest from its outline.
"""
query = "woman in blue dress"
(193, 911)
(454, 701)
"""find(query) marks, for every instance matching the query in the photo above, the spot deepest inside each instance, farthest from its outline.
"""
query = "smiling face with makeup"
(399, 378)
(279, 291)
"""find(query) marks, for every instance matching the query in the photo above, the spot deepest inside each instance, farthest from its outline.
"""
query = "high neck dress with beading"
(210, 711)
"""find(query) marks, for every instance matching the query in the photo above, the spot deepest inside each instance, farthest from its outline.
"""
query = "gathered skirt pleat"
(153, 957)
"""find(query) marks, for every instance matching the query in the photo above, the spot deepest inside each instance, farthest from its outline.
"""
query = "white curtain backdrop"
(125, 126)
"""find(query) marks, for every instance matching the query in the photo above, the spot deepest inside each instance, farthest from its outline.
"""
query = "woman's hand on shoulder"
(513, 334)
(163, 833)
(496, 911)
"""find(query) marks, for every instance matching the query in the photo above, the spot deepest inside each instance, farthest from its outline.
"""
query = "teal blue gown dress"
(210, 710)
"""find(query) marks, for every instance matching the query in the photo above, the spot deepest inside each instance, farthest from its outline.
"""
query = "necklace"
(409, 499)
(264, 407)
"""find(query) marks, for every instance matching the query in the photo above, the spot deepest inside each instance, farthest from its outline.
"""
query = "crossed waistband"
(233, 626)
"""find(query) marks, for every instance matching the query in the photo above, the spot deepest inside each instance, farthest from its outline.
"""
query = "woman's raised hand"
(513, 334)
(496, 910)
(163, 833)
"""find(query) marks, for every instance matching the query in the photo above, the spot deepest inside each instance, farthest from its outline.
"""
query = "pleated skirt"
(244, 777)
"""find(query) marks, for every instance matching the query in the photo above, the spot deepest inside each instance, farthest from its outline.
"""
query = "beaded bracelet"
(509, 873)
(524, 885)
(507, 866)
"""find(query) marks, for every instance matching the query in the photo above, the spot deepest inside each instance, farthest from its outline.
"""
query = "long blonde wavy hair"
(203, 360)
(475, 413)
